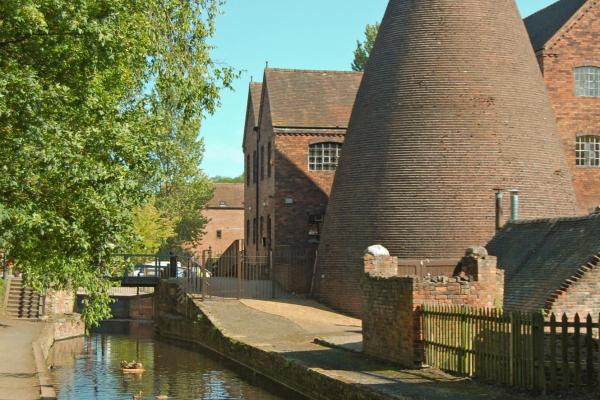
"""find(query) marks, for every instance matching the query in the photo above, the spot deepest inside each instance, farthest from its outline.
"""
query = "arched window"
(324, 156)
(587, 81)
(588, 151)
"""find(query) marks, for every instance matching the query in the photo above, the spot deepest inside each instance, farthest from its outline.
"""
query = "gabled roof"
(311, 99)
(227, 195)
(544, 24)
(542, 256)
(255, 96)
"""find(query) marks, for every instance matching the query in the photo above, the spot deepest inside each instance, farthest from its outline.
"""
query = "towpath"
(18, 373)
(291, 327)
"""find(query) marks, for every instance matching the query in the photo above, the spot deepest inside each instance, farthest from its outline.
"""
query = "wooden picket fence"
(522, 350)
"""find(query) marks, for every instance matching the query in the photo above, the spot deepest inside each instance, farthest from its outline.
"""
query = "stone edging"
(53, 331)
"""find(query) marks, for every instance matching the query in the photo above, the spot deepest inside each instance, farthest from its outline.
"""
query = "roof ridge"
(570, 23)
(554, 220)
(317, 71)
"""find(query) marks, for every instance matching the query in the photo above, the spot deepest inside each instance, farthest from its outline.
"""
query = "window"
(269, 160)
(324, 156)
(254, 231)
(269, 230)
(219, 234)
(255, 166)
(587, 81)
(247, 231)
(262, 220)
(587, 151)
(248, 172)
(262, 163)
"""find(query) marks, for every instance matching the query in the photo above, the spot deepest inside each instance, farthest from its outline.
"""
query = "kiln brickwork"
(565, 36)
(285, 200)
(430, 138)
(391, 320)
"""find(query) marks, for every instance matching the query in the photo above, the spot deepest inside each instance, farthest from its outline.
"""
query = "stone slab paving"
(18, 373)
(291, 327)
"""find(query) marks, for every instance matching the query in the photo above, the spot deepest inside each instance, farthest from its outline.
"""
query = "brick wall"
(290, 178)
(59, 302)
(391, 323)
(227, 220)
(580, 297)
(577, 46)
(141, 308)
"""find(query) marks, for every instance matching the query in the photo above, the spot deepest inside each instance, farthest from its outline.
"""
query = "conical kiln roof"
(452, 105)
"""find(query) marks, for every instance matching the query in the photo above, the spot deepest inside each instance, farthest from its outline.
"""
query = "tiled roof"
(311, 99)
(227, 195)
(545, 23)
(539, 257)
(255, 95)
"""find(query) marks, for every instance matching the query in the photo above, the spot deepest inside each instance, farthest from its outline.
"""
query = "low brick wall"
(392, 328)
(388, 320)
(59, 302)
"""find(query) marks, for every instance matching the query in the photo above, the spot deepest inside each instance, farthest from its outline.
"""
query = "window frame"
(587, 151)
(320, 146)
(584, 83)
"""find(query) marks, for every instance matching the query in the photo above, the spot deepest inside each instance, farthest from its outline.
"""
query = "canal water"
(89, 368)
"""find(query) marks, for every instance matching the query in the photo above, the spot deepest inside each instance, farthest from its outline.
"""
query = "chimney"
(499, 209)
(514, 204)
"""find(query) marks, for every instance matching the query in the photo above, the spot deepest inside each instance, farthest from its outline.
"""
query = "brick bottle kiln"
(451, 107)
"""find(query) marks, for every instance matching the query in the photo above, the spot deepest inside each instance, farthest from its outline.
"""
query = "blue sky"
(306, 34)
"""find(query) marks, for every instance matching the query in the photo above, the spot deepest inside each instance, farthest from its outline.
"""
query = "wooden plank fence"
(522, 350)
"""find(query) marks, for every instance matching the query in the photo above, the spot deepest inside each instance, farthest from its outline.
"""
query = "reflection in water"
(88, 368)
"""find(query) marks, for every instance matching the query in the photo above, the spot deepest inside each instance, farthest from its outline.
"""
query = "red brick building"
(565, 37)
(295, 126)
(225, 215)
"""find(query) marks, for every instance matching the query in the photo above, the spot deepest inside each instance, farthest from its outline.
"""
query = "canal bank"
(90, 368)
(280, 340)
(25, 347)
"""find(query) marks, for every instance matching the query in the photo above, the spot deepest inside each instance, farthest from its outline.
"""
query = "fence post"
(537, 335)
(203, 281)
(238, 262)
(511, 347)
(589, 351)
(463, 341)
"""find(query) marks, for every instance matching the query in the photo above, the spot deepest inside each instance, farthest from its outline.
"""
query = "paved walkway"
(18, 376)
(290, 328)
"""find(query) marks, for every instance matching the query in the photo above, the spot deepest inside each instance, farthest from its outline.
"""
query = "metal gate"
(232, 274)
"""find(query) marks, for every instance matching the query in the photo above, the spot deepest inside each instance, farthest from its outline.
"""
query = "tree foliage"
(228, 179)
(153, 229)
(100, 108)
(363, 49)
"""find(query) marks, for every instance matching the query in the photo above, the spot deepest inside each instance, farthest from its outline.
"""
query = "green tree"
(227, 179)
(363, 49)
(153, 229)
(100, 109)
